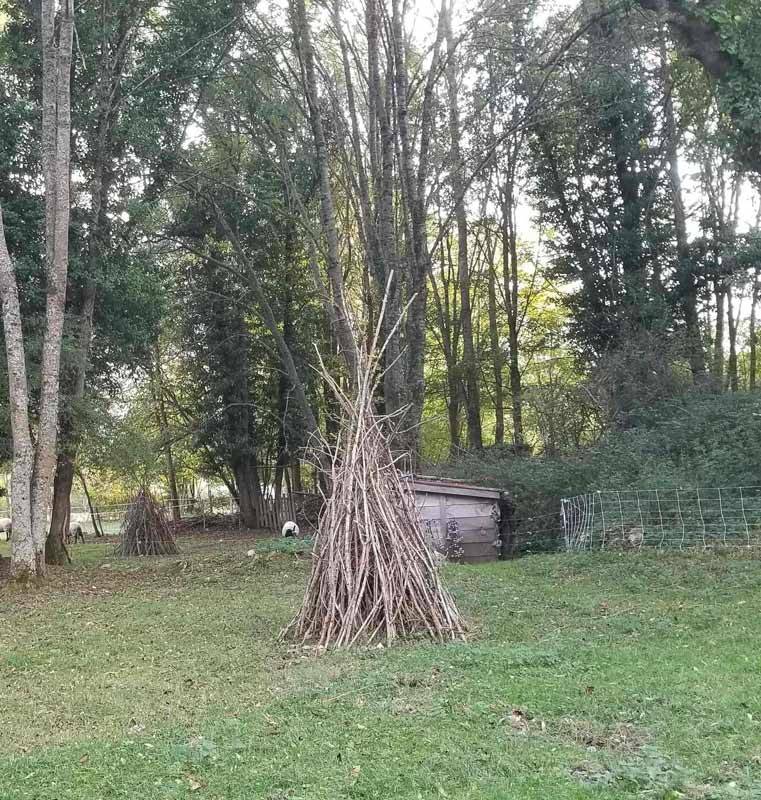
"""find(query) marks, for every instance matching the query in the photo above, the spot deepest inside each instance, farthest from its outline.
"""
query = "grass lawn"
(602, 676)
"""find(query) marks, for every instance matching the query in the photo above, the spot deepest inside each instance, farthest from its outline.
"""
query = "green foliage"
(738, 23)
(604, 676)
(599, 182)
(121, 452)
(698, 440)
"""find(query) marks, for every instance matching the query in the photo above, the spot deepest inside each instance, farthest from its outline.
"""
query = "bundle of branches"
(145, 530)
(373, 576)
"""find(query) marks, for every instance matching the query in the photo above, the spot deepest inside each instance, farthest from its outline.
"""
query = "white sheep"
(5, 528)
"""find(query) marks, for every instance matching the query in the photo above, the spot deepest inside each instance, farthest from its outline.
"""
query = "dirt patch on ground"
(621, 737)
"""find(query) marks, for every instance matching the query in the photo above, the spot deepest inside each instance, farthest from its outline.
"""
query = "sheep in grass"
(75, 534)
(290, 529)
(5, 528)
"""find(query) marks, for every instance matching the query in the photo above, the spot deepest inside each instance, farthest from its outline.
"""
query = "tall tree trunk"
(495, 346)
(246, 474)
(60, 517)
(718, 342)
(512, 300)
(68, 436)
(23, 563)
(34, 465)
(340, 311)
(444, 291)
(162, 420)
(688, 294)
(470, 367)
(56, 156)
(414, 187)
(382, 252)
(114, 58)
(732, 376)
(753, 358)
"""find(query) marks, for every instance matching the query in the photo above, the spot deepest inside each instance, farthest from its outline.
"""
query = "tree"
(599, 184)
(470, 367)
(33, 463)
(723, 35)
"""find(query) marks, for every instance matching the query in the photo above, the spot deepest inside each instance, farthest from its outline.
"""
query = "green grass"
(602, 676)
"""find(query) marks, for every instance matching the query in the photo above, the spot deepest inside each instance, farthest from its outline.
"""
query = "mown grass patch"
(597, 676)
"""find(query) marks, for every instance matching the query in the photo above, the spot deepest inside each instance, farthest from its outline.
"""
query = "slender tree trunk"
(732, 331)
(23, 563)
(718, 343)
(55, 547)
(34, 465)
(753, 358)
(114, 58)
(162, 420)
(470, 368)
(56, 135)
(340, 311)
(687, 290)
(68, 438)
(444, 291)
(94, 516)
(496, 355)
(512, 299)
(280, 471)
(414, 187)
(283, 394)
(380, 236)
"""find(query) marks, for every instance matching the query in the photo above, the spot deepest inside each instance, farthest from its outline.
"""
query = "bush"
(696, 441)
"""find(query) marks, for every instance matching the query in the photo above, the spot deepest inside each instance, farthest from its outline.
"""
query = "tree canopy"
(558, 208)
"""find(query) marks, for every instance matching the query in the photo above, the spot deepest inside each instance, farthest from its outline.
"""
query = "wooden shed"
(466, 523)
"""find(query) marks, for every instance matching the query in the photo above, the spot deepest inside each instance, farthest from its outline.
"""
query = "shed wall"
(463, 528)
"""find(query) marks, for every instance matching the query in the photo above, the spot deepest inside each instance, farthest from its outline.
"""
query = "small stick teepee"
(145, 530)
(373, 576)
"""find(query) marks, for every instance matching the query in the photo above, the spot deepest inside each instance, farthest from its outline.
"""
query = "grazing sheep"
(75, 534)
(635, 537)
(6, 528)
(290, 529)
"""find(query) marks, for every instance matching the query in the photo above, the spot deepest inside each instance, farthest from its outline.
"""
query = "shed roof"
(432, 485)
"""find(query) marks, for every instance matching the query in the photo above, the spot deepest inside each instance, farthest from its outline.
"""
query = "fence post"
(591, 525)
(702, 518)
(641, 519)
(724, 522)
(681, 519)
(745, 518)
(660, 517)
(621, 515)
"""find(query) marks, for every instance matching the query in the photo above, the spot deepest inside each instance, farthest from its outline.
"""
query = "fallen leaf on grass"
(195, 783)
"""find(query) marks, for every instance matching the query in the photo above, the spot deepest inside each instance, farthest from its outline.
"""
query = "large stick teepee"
(373, 579)
(145, 530)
